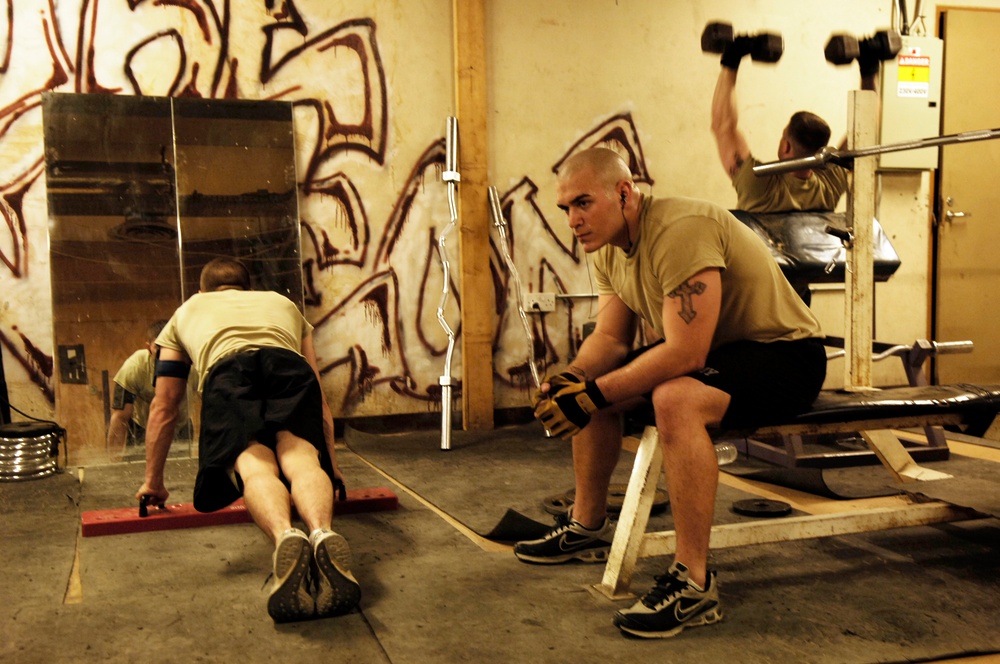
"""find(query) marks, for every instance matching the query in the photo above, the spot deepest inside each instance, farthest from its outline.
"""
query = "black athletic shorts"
(252, 395)
(766, 382)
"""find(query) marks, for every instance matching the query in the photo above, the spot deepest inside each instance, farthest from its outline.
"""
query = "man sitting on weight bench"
(737, 345)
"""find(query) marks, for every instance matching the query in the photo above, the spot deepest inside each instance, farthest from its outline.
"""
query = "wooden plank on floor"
(95, 523)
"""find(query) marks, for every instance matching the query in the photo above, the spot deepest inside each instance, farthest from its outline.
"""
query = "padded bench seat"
(804, 249)
(974, 405)
(971, 403)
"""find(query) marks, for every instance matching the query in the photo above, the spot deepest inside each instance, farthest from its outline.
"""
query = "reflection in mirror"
(121, 171)
(113, 251)
(237, 190)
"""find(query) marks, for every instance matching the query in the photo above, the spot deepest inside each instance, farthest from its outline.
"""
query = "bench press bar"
(846, 158)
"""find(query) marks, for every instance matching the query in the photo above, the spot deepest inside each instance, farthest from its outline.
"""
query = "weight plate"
(762, 507)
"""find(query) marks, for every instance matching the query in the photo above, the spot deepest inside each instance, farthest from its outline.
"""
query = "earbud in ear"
(624, 197)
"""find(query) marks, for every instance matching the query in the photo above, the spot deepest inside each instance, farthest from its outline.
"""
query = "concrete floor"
(433, 594)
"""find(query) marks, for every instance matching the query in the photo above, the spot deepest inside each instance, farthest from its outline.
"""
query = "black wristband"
(596, 395)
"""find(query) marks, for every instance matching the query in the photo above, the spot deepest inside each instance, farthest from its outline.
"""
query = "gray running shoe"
(673, 604)
(337, 591)
(290, 599)
(568, 541)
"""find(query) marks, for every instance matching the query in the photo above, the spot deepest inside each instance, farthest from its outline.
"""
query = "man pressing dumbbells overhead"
(805, 134)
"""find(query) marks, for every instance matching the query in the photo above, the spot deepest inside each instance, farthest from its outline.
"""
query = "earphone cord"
(628, 236)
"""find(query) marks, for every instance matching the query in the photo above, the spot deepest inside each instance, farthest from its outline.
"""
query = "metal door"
(967, 275)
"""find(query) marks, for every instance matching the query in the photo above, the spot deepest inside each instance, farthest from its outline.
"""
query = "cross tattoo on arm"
(685, 292)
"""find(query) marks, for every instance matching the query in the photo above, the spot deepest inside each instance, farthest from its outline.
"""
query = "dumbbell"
(842, 49)
(764, 47)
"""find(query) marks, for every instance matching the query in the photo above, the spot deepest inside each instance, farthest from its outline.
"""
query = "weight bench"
(872, 413)
(787, 446)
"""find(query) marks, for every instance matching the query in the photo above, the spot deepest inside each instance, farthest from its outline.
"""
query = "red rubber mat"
(183, 515)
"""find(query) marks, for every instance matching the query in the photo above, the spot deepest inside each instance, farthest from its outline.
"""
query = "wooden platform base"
(631, 541)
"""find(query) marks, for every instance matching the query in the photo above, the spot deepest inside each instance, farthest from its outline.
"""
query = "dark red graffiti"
(377, 309)
(36, 364)
(8, 38)
(618, 133)
(131, 54)
(401, 211)
(546, 273)
(354, 219)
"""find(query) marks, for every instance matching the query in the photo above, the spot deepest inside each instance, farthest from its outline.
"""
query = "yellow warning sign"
(915, 68)
(913, 75)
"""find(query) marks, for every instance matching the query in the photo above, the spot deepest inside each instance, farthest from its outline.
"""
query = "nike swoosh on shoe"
(565, 545)
(683, 613)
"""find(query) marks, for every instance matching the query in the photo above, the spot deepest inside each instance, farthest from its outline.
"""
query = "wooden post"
(859, 278)
(634, 517)
(478, 311)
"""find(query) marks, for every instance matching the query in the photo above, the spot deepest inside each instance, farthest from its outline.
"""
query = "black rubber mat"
(833, 483)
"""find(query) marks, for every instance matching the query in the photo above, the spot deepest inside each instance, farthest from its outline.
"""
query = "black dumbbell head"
(716, 36)
(883, 45)
(842, 49)
(767, 47)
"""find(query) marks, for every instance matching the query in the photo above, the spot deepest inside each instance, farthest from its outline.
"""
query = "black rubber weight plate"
(761, 507)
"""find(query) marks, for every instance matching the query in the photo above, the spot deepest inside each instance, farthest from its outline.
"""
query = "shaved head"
(607, 165)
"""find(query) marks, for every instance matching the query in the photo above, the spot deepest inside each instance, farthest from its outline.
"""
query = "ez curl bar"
(451, 177)
(496, 212)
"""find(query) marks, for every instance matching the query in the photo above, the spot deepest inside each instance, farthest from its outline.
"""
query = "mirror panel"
(113, 250)
(237, 190)
(142, 191)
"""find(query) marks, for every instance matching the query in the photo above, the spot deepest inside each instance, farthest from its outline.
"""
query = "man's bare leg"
(687, 595)
(337, 591)
(264, 493)
(684, 408)
(595, 454)
(312, 490)
(269, 505)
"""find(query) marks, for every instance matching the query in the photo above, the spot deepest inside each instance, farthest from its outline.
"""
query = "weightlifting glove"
(556, 383)
(735, 51)
(570, 403)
